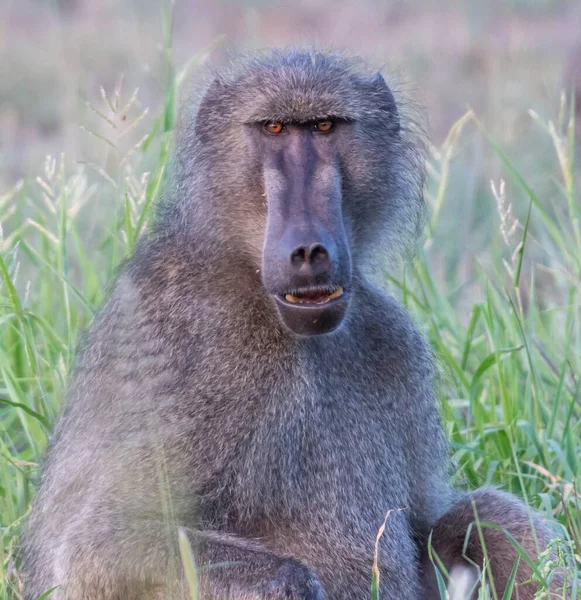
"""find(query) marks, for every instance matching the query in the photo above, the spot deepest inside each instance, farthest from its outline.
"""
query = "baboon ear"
(210, 109)
(387, 101)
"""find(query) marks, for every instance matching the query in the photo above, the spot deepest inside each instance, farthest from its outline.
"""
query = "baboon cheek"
(253, 234)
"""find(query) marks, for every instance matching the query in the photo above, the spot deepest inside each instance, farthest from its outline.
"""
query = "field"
(495, 287)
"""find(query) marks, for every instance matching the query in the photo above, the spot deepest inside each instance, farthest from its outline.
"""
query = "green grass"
(499, 303)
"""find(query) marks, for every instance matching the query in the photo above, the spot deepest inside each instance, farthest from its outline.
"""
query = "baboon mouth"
(313, 295)
(313, 310)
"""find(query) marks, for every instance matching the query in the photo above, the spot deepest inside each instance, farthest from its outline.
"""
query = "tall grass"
(506, 327)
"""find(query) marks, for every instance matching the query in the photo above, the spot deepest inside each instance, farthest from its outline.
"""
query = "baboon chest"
(305, 439)
(277, 427)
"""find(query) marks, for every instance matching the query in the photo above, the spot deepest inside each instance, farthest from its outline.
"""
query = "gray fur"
(193, 407)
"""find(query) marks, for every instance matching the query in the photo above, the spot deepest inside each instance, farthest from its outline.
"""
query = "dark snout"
(310, 256)
(315, 297)
(306, 260)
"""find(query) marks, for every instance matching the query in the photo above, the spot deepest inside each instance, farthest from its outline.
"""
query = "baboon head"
(301, 163)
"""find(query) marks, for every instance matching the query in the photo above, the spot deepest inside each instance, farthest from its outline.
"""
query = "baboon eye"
(323, 125)
(274, 127)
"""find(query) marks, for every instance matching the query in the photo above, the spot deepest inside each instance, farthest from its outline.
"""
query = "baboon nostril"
(315, 255)
(298, 256)
(318, 254)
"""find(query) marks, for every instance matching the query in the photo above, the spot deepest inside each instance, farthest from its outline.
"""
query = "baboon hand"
(293, 581)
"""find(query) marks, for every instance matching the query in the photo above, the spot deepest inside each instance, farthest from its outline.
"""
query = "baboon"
(247, 383)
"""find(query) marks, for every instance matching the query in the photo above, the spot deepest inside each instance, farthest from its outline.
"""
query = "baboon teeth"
(322, 299)
(336, 294)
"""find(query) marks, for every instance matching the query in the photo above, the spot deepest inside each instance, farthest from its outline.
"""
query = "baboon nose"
(316, 256)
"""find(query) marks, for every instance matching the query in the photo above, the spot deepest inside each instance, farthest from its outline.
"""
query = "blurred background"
(500, 57)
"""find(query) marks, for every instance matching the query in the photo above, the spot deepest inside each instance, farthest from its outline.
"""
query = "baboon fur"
(192, 407)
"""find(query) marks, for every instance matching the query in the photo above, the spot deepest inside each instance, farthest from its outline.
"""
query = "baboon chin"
(203, 400)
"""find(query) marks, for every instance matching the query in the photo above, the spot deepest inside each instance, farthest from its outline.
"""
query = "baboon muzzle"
(306, 260)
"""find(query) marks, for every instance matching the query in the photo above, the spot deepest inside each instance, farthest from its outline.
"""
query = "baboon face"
(306, 262)
(305, 146)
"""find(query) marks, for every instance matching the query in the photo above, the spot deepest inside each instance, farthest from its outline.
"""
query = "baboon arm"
(231, 567)
(431, 495)
(146, 565)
